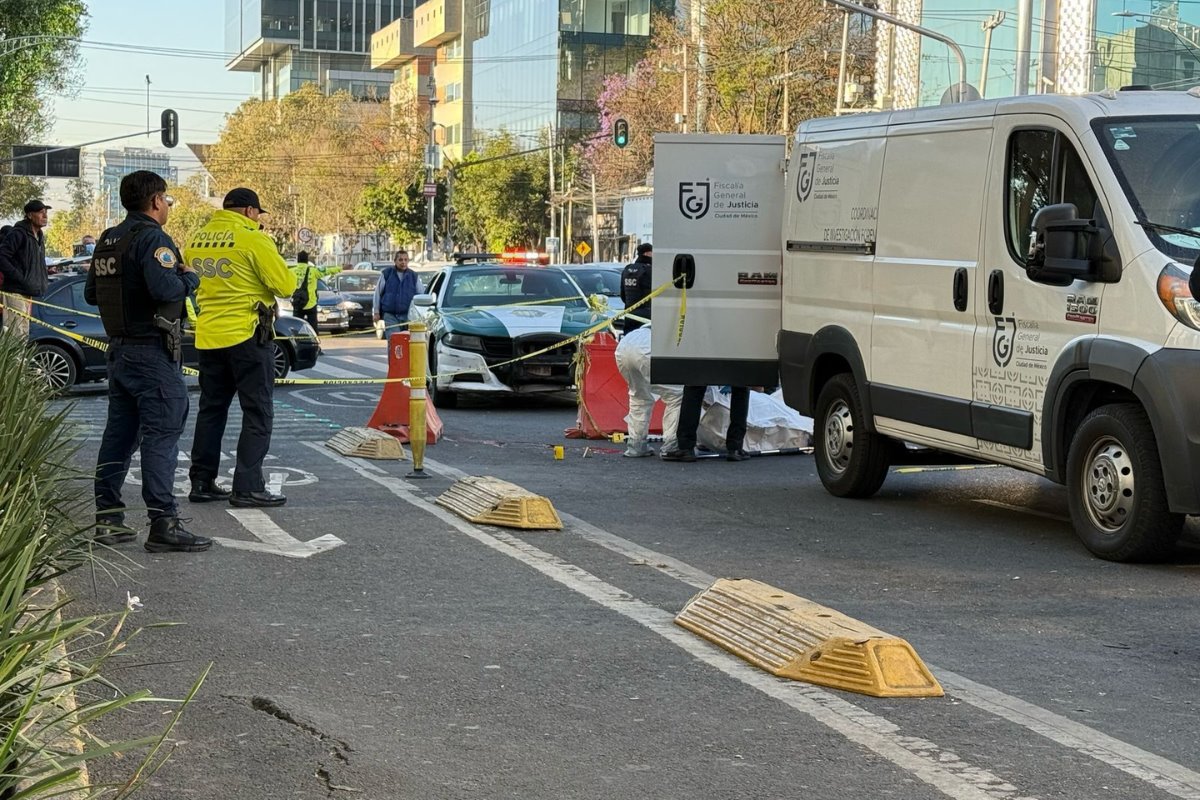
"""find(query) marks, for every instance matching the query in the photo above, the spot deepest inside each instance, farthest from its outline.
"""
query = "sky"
(111, 96)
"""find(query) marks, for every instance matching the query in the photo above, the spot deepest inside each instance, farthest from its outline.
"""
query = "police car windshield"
(1157, 161)
(501, 286)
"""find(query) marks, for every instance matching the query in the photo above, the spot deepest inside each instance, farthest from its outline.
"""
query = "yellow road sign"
(583, 248)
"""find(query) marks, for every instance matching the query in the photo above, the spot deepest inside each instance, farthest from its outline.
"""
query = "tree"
(191, 211)
(310, 156)
(85, 217)
(29, 76)
(398, 207)
(766, 67)
(500, 196)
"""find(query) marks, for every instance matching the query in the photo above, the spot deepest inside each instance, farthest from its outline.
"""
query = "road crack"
(338, 748)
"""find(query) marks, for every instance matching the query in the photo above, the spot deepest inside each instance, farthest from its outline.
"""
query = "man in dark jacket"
(635, 285)
(23, 266)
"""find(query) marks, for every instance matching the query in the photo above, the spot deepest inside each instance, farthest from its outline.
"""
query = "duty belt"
(124, 340)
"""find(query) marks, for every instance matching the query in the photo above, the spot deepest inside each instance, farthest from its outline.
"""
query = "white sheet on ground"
(770, 423)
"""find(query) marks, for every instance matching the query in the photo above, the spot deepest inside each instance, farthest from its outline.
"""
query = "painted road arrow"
(274, 539)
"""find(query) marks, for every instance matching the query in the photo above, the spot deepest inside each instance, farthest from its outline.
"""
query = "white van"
(1004, 280)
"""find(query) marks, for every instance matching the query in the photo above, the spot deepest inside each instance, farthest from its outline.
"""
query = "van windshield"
(1157, 161)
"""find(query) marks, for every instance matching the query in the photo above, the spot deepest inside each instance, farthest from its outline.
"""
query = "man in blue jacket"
(394, 293)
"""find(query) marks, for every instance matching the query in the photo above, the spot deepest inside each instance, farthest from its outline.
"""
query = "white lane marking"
(371, 364)
(333, 372)
(1141, 764)
(942, 769)
(1153, 769)
(274, 539)
(1022, 509)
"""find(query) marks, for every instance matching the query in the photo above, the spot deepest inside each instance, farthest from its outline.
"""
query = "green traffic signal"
(620, 133)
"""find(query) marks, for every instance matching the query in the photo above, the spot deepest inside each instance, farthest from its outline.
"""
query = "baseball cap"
(35, 205)
(242, 197)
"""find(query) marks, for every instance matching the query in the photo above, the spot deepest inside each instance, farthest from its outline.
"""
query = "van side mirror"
(1063, 247)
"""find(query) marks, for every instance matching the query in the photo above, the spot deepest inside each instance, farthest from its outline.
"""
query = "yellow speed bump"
(366, 443)
(491, 501)
(798, 639)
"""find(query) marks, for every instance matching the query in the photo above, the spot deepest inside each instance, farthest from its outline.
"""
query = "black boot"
(110, 532)
(167, 535)
(256, 500)
(207, 492)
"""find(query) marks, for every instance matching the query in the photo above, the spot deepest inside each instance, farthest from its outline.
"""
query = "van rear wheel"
(851, 461)
(1115, 487)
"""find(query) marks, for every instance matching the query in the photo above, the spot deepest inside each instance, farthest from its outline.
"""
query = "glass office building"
(1076, 46)
(537, 63)
(288, 43)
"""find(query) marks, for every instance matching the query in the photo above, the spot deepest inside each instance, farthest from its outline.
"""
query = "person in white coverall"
(633, 362)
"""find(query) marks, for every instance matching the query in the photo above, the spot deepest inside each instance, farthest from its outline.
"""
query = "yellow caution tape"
(37, 302)
(591, 331)
(682, 313)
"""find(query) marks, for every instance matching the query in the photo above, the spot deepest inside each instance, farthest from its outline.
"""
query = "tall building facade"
(116, 164)
(521, 66)
(288, 43)
(1076, 46)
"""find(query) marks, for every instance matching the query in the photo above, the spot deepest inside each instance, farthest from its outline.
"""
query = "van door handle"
(685, 265)
(996, 292)
(960, 289)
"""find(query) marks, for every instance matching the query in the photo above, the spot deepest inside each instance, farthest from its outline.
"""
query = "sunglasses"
(170, 201)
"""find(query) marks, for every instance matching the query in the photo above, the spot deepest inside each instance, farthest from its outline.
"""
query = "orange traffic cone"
(391, 413)
(603, 394)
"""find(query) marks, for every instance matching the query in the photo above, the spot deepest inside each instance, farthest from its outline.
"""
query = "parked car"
(66, 362)
(333, 310)
(358, 286)
(475, 327)
(602, 278)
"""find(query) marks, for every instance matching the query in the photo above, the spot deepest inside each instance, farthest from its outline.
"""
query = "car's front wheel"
(56, 366)
(283, 361)
(441, 398)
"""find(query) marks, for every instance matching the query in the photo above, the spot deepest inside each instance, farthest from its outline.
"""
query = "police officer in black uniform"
(139, 281)
(635, 284)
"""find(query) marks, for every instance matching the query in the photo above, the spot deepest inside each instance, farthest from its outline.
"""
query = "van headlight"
(1176, 296)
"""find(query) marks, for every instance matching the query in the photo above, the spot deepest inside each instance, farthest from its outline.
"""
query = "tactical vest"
(126, 307)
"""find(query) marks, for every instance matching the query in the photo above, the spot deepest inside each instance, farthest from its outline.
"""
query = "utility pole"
(787, 74)
(1024, 35)
(595, 223)
(550, 155)
(699, 22)
(430, 158)
(684, 74)
(989, 25)
(841, 84)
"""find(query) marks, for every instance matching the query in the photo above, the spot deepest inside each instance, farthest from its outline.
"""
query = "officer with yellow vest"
(241, 274)
(306, 279)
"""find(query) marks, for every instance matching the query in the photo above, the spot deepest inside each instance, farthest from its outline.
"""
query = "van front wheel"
(1115, 487)
(851, 461)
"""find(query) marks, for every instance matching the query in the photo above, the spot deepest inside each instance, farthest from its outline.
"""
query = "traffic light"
(170, 128)
(620, 133)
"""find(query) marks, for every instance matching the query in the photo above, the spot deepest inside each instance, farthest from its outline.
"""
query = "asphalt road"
(425, 657)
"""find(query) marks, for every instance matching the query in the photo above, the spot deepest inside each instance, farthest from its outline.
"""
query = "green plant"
(51, 685)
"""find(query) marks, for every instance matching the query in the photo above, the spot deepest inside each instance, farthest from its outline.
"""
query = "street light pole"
(430, 155)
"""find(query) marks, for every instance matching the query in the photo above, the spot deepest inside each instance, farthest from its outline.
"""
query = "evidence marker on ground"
(795, 638)
(491, 501)
(367, 443)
